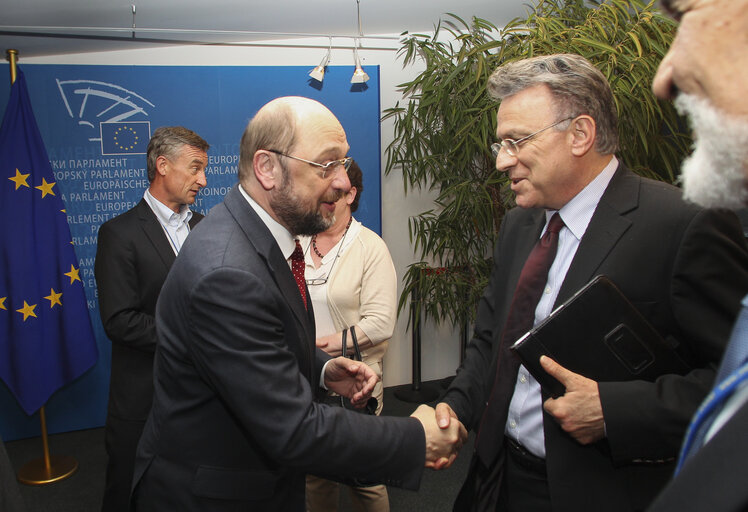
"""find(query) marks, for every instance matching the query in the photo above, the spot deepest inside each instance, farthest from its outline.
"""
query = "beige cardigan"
(362, 290)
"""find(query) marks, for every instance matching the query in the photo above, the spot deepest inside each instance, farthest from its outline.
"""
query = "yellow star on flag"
(2, 303)
(20, 179)
(53, 298)
(73, 274)
(46, 188)
(27, 310)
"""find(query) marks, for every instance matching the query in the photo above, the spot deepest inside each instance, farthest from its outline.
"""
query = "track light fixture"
(318, 73)
(359, 75)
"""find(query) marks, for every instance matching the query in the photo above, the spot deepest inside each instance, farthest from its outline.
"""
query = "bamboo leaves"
(446, 122)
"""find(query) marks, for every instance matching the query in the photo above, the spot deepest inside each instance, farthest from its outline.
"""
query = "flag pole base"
(37, 472)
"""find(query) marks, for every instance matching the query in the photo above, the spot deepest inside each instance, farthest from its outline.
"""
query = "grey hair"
(577, 87)
(271, 128)
(167, 141)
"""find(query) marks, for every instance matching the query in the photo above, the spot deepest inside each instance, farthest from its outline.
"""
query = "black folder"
(599, 334)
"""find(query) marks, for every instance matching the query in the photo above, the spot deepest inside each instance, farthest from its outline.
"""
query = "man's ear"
(266, 169)
(162, 163)
(350, 196)
(583, 132)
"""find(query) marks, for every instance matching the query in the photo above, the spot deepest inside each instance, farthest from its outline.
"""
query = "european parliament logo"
(94, 102)
(125, 138)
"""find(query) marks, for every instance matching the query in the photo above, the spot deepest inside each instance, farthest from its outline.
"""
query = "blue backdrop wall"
(96, 122)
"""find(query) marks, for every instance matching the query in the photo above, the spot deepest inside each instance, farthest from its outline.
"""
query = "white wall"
(440, 346)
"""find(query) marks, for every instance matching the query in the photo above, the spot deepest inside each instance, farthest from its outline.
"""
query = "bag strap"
(354, 338)
(343, 347)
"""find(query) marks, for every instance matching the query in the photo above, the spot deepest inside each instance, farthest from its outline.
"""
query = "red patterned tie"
(297, 267)
(532, 281)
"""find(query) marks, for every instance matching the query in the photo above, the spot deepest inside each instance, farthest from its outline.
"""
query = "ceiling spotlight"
(359, 75)
(318, 73)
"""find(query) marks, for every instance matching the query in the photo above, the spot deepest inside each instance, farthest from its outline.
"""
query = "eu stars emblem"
(125, 138)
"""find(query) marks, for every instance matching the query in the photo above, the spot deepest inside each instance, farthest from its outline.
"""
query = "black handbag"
(341, 401)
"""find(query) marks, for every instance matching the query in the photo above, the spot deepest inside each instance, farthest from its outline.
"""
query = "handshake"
(444, 433)
(443, 439)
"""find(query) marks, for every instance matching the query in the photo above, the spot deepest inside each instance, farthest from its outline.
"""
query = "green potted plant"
(447, 121)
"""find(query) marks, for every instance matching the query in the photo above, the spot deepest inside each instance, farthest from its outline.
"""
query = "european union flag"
(46, 339)
(125, 138)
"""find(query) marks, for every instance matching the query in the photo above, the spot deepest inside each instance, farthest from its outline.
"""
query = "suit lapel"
(155, 233)
(196, 217)
(607, 226)
(260, 237)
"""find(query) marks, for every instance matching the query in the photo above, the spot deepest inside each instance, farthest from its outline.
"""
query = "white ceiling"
(76, 18)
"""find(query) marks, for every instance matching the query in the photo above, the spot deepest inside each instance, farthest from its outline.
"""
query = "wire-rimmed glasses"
(324, 168)
(317, 281)
(512, 146)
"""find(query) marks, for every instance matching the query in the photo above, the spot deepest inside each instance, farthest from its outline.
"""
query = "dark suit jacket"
(133, 256)
(713, 478)
(234, 425)
(686, 269)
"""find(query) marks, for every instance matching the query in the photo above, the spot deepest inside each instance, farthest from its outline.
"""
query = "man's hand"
(442, 445)
(578, 411)
(444, 415)
(351, 379)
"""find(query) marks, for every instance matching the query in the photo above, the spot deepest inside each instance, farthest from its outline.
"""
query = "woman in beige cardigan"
(352, 283)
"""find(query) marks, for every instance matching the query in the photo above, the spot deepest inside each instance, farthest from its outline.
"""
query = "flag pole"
(49, 468)
(13, 58)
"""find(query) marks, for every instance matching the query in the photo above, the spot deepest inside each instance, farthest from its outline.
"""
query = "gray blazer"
(234, 424)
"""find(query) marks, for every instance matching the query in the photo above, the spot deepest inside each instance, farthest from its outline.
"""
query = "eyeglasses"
(324, 168)
(512, 146)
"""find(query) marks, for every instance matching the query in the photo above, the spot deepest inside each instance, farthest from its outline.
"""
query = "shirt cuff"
(322, 375)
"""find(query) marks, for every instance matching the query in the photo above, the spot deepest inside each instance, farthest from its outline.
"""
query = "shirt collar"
(578, 212)
(165, 215)
(282, 237)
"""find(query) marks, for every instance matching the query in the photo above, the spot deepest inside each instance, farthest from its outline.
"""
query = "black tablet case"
(599, 334)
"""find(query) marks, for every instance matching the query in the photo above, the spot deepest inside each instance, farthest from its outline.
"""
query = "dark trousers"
(525, 483)
(121, 440)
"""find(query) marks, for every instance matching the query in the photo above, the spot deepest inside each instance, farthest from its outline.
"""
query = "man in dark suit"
(711, 41)
(602, 445)
(134, 253)
(234, 424)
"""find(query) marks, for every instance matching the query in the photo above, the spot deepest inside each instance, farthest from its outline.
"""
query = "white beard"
(716, 173)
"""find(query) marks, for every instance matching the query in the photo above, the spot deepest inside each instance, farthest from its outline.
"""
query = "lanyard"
(708, 411)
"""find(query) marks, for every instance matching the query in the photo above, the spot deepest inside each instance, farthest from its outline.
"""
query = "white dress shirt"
(175, 225)
(525, 420)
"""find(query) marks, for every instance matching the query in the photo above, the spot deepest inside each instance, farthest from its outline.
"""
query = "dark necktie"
(532, 281)
(297, 267)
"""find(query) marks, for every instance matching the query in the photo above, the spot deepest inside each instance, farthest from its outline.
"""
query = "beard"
(716, 173)
(290, 209)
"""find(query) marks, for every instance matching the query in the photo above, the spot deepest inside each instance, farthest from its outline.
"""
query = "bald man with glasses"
(234, 423)
(601, 445)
